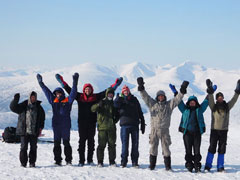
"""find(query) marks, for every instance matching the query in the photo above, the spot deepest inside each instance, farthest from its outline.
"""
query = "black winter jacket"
(20, 109)
(129, 110)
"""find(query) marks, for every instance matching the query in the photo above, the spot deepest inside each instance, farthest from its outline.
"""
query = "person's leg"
(23, 151)
(67, 146)
(57, 151)
(221, 150)
(135, 143)
(166, 142)
(125, 142)
(188, 143)
(196, 150)
(102, 141)
(82, 131)
(154, 142)
(211, 150)
(91, 143)
(33, 150)
(112, 137)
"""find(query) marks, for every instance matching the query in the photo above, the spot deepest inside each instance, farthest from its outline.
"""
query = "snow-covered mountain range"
(156, 77)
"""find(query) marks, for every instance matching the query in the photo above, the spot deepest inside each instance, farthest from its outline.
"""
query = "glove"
(172, 87)
(39, 78)
(75, 78)
(60, 80)
(210, 87)
(237, 90)
(140, 84)
(100, 104)
(117, 83)
(184, 86)
(17, 96)
(143, 126)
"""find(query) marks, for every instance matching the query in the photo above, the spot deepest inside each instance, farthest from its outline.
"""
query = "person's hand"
(140, 84)
(237, 90)
(17, 96)
(173, 89)
(39, 78)
(60, 80)
(184, 86)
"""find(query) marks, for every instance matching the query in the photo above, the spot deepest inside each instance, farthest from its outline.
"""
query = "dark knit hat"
(219, 94)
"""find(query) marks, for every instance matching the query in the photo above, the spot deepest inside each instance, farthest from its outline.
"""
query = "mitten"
(39, 78)
(172, 87)
(60, 80)
(184, 86)
(140, 84)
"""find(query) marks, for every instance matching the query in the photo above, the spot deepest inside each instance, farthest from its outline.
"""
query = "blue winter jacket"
(185, 110)
(61, 107)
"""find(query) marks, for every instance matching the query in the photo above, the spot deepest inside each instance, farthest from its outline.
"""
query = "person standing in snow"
(192, 126)
(86, 118)
(161, 110)
(219, 125)
(107, 117)
(130, 115)
(30, 124)
(61, 120)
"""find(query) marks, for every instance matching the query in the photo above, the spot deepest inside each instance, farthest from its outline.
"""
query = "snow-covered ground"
(156, 77)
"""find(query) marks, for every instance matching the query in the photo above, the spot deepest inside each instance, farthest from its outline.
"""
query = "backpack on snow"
(9, 135)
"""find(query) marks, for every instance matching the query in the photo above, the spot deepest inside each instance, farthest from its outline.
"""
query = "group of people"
(103, 110)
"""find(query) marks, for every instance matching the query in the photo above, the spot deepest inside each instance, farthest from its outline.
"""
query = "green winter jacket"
(107, 115)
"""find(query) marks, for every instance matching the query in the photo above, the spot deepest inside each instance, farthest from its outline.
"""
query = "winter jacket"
(130, 110)
(220, 118)
(86, 117)
(107, 114)
(61, 107)
(21, 109)
(185, 110)
(160, 111)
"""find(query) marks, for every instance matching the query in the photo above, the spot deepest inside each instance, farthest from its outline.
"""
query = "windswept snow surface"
(156, 77)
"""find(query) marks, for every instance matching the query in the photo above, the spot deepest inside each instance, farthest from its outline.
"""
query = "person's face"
(161, 98)
(192, 103)
(33, 99)
(220, 99)
(125, 93)
(88, 91)
(110, 96)
(58, 94)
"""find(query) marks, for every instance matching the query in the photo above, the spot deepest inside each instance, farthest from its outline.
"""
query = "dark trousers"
(218, 137)
(24, 147)
(60, 134)
(192, 141)
(126, 131)
(86, 133)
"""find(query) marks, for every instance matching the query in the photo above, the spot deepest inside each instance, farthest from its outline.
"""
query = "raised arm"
(234, 99)
(146, 98)
(15, 106)
(204, 104)
(73, 93)
(210, 90)
(178, 98)
(47, 92)
(65, 86)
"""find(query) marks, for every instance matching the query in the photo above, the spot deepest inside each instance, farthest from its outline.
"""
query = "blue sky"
(65, 33)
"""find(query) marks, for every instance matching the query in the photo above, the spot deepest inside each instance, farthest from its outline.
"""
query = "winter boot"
(167, 162)
(189, 166)
(220, 163)
(32, 165)
(100, 164)
(209, 161)
(112, 163)
(152, 160)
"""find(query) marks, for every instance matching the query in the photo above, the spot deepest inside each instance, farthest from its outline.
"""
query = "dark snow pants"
(126, 131)
(104, 138)
(218, 137)
(24, 147)
(86, 133)
(61, 133)
(192, 141)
